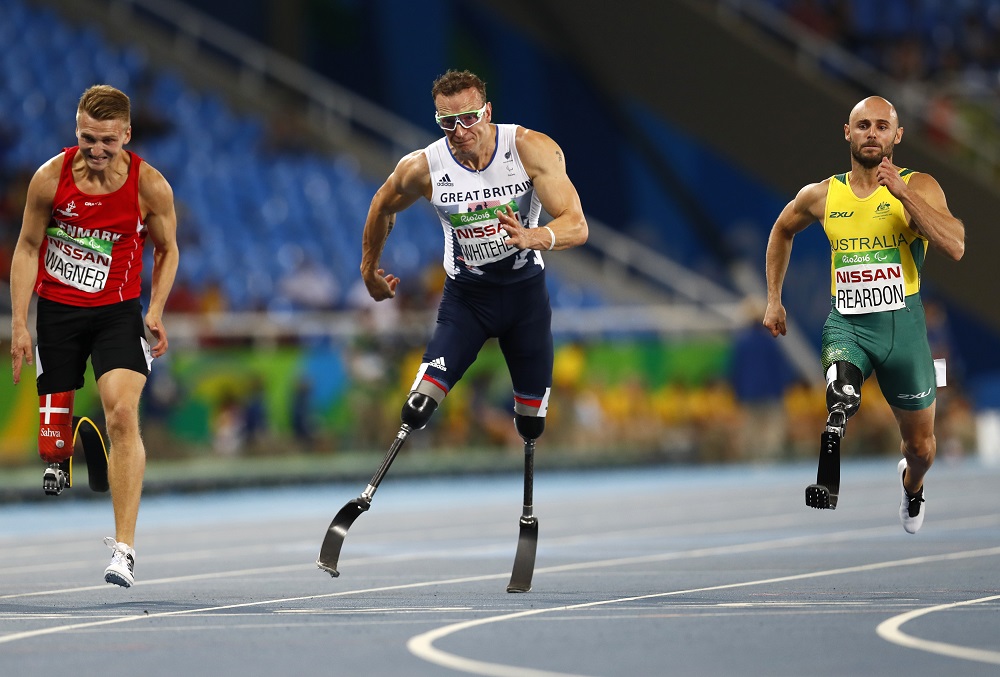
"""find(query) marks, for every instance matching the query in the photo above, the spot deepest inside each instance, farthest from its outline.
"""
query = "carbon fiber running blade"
(329, 552)
(94, 451)
(524, 559)
(825, 492)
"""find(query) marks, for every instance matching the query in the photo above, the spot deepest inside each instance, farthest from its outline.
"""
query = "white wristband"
(553, 236)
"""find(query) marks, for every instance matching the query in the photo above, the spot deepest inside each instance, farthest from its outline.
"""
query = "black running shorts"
(111, 336)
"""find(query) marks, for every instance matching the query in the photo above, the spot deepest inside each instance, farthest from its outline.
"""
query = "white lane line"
(966, 522)
(700, 552)
(422, 645)
(594, 564)
(13, 637)
(890, 632)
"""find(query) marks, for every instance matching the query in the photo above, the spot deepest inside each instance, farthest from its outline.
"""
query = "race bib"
(869, 281)
(480, 236)
(80, 262)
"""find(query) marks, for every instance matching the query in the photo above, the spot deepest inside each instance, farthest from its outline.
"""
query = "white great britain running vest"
(467, 201)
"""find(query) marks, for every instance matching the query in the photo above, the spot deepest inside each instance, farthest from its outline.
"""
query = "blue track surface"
(704, 571)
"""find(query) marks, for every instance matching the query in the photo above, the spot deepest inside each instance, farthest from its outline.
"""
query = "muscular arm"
(924, 202)
(806, 208)
(408, 182)
(24, 265)
(543, 160)
(156, 201)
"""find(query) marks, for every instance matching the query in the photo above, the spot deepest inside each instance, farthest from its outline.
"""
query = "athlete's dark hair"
(453, 82)
(104, 102)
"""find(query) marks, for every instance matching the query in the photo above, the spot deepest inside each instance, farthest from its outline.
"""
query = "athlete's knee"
(122, 422)
(55, 429)
(529, 427)
(843, 388)
(417, 410)
(919, 444)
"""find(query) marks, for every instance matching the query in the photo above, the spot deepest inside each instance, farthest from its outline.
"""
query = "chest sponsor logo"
(841, 215)
(80, 262)
(479, 234)
(868, 281)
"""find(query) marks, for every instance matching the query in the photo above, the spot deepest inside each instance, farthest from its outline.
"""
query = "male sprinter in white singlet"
(488, 184)
(880, 220)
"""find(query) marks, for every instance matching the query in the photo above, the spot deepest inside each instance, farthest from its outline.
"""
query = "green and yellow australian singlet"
(877, 320)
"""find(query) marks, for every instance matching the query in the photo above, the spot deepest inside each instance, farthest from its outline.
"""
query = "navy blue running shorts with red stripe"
(518, 315)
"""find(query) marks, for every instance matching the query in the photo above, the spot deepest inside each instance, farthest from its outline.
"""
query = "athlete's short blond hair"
(104, 102)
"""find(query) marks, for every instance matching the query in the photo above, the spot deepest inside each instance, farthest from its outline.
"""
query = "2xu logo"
(841, 215)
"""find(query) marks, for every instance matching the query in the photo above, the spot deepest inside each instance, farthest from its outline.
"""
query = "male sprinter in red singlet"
(488, 184)
(880, 220)
(89, 211)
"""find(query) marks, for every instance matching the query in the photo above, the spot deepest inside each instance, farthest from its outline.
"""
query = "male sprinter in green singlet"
(880, 220)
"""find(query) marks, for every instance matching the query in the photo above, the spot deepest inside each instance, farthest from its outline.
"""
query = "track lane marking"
(422, 645)
(963, 522)
(890, 632)
(436, 653)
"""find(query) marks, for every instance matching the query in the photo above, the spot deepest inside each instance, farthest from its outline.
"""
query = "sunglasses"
(465, 118)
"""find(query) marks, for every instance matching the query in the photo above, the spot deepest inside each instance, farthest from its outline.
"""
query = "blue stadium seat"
(227, 196)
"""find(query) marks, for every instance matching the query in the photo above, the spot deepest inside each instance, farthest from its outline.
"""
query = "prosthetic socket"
(55, 430)
(843, 395)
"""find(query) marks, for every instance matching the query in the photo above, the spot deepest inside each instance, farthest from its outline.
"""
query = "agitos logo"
(841, 215)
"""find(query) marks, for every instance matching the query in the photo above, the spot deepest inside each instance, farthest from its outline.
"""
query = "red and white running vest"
(92, 253)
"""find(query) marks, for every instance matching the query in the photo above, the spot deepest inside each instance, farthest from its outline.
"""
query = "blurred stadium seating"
(258, 216)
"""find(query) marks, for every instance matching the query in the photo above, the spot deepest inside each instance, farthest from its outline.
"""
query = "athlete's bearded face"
(873, 132)
(864, 152)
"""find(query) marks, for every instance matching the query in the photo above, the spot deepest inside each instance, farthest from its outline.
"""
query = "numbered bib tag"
(80, 262)
(869, 281)
(480, 236)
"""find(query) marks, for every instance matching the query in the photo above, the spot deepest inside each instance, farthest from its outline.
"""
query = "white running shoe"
(122, 564)
(911, 511)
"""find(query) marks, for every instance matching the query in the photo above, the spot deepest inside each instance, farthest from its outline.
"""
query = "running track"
(653, 571)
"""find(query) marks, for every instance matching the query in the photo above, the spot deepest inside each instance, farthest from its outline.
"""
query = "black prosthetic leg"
(824, 493)
(843, 398)
(530, 428)
(416, 413)
(59, 476)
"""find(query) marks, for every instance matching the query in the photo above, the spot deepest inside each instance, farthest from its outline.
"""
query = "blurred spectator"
(759, 374)
(183, 299)
(309, 285)
(213, 298)
(227, 425)
(254, 414)
(718, 421)
(303, 424)
(956, 424)
(805, 416)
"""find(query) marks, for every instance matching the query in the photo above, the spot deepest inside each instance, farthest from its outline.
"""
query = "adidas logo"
(438, 363)
(445, 181)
